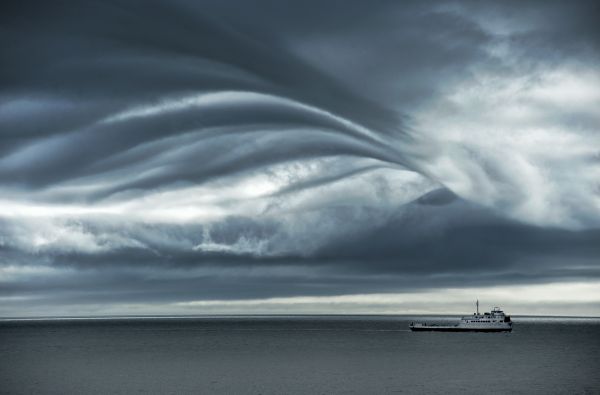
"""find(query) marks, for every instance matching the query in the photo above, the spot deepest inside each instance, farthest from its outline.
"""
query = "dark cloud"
(400, 144)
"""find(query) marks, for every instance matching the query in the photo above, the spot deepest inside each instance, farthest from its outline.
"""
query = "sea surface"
(295, 355)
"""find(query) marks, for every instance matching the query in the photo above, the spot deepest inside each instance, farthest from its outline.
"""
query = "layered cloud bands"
(173, 154)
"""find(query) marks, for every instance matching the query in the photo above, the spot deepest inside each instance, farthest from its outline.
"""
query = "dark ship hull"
(432, 328)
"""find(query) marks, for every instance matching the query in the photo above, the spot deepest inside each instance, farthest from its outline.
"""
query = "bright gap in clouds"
(526, 145)
(249, 195)
(570, 298)
(554, 299)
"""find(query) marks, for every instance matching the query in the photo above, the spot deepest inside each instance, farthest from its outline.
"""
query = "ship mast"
(477, 303)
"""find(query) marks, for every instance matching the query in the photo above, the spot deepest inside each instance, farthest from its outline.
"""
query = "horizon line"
(191, 316)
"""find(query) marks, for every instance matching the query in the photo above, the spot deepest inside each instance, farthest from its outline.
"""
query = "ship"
(493, 321)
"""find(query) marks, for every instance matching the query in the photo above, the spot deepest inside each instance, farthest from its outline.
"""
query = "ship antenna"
(477, 303)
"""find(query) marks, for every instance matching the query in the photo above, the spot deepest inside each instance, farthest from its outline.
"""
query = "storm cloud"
(185, 153)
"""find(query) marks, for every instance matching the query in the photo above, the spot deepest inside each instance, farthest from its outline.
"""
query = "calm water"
(313, 355)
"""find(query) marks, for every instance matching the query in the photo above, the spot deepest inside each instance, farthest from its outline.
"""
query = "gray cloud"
(422, 246)
(168, 152)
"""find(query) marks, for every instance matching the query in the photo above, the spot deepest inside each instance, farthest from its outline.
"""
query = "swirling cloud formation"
(187, 156)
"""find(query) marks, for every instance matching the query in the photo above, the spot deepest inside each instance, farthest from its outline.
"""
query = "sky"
(237, 157)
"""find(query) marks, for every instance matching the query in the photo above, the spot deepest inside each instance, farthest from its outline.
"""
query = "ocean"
(295, 355)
